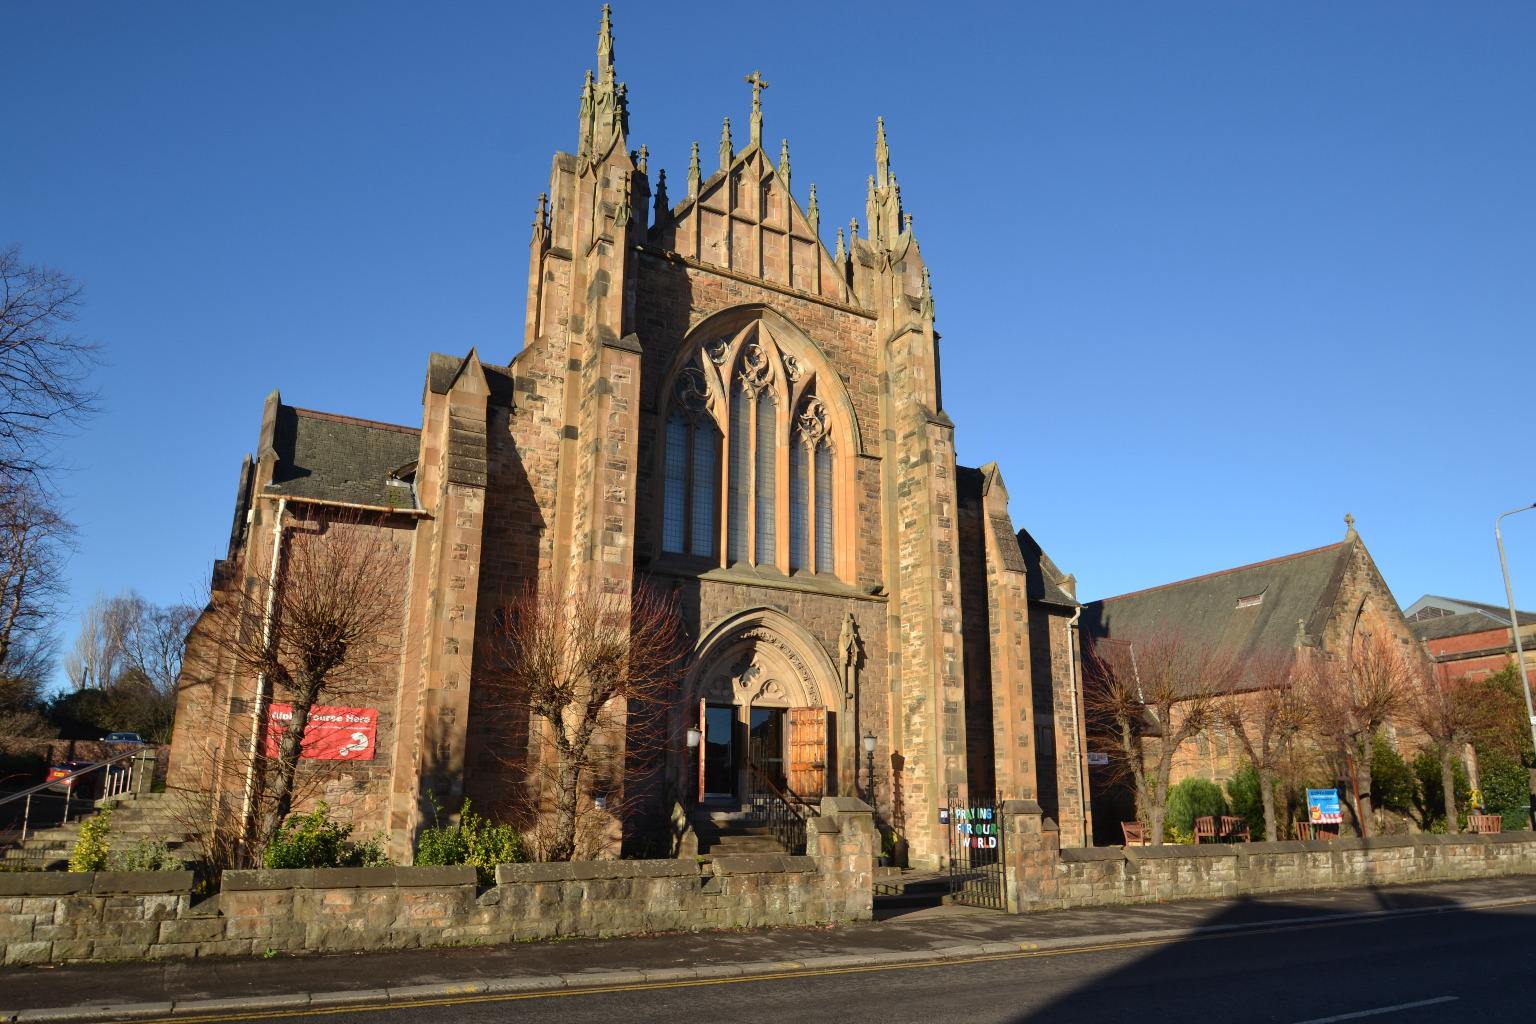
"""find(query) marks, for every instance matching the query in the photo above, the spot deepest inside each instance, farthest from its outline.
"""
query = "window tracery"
(731, 410)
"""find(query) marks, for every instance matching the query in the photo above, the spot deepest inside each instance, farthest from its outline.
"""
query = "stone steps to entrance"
(896, 889)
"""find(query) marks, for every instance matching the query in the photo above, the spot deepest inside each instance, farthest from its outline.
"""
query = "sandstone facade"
(708, 399)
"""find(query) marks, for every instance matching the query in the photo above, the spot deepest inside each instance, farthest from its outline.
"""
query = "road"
(1452, 966)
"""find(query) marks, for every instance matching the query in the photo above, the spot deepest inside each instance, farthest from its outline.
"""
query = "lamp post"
(869, 776)
(695, 737)
(1514, 625)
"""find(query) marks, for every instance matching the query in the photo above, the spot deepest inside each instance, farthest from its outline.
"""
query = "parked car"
(83, 787)
(123, 737)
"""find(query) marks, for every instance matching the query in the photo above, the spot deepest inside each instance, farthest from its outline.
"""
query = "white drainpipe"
(1077, 735)
(258, 706)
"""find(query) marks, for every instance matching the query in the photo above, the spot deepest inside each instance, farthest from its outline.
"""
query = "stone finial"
(662, 206)
(871, 210)
(909, 223)
(640, 164)
(541, 216)
(926, 302)
(1349, 521)
(841, 254)
(694, 178)
(813, 212)
(727, 153)
(626, 200)
(605, 46)
(784, 160)
(755, 80)
(853, 230)
(621, 109)
(882, 153)
(584, 150)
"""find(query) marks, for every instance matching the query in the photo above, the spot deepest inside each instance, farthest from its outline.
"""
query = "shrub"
(93, 849)
(1392, 781)
(313, 841)
(1506, 787)
(148, 854)
(474, 841)
(1431, 797)
(1191, 799)
(1248, 798)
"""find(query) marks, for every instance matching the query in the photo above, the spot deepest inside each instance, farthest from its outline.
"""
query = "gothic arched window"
(688, 488)
(731, 409)
(810, 490)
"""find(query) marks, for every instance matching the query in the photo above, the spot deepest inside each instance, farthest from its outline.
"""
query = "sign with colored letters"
(1323, 807)
(331, 734)
(976, 826)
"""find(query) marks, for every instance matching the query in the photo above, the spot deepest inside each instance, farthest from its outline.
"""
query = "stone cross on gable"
(1349, 520)
(758, 84)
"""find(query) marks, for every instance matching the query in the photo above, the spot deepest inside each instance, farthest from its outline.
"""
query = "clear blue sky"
(1210, 275)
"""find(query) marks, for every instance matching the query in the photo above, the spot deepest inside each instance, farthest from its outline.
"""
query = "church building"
(710, 399)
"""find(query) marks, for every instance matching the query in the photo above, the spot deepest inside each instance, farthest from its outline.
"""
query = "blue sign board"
(1323, 807)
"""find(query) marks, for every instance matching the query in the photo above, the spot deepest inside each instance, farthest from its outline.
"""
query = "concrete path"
(213, 989)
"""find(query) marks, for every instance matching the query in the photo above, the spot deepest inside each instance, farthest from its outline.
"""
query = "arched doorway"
(764, 694)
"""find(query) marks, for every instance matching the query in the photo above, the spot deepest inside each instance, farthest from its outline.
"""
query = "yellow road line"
(1027, 951)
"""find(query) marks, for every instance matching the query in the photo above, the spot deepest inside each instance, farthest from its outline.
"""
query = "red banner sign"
(331, 734)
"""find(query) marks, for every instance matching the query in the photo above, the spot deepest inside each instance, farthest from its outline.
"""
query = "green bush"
(1431, 797)
(1191, 799)
(474, 841)
(1506, 787)
(93, 849)
(148, 854)
(1248, 799)
(1392, 782)
(313, 841)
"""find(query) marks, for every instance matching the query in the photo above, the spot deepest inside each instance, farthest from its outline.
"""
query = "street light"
(869, 750)
(1514, 624)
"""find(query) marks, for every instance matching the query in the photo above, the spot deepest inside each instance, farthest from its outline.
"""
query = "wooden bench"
(1205, 828)
(1135, 833)
(1485, 824)
(1307, 830)
(1232, 827)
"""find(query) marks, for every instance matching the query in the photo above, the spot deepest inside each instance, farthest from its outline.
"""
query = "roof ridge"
(1225, 572)
(358, 421)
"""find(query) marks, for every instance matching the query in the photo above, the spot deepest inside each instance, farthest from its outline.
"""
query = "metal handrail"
(67, 782)
(775, 810)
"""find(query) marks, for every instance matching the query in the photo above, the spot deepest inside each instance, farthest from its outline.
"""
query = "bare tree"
(1265, 709)
(1450, 711)
(44, 370)
(35, 541)
(577, 662)
(1151, 693)
(336, 609)
(1353, 693)
(98, 656)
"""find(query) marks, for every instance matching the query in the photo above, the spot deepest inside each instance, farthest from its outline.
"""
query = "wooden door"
(808, 753)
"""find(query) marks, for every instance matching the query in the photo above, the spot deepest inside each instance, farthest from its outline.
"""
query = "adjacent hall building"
(706, 398)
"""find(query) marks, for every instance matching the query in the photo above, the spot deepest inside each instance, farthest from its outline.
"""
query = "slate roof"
(1430, 607)
(442, 369)
(1042, 580)
(339, 458)
(1206, 609)
(1460, 625)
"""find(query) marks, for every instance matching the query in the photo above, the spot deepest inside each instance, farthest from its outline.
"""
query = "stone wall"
(1042, 876)
(58, 916)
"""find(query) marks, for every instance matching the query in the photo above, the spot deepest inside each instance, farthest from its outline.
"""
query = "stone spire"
(882, 154)
(610, 109)
(813, 212)
(541, 220)
(584, 149)
(784, 161)
(662, 206)
(605, 49)
(694, 179)
(727, 154)
(755, 80)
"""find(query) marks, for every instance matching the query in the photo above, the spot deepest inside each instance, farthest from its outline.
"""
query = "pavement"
(949, 937)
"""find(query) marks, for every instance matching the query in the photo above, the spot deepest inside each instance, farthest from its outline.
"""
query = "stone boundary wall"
(60, 916)
(1042, 876)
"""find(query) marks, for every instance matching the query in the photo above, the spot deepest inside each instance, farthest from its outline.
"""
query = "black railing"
(976, 849)
(117, 780)
(775, 811)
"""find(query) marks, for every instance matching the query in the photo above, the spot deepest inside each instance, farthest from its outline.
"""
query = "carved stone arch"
(779, 648)
(728, 325)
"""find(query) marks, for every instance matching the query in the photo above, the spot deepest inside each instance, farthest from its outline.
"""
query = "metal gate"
(976, 856)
